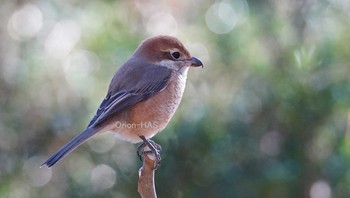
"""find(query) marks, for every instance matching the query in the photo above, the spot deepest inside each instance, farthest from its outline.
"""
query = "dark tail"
(70, 146)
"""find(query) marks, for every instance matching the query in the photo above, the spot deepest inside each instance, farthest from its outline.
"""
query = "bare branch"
(146, 185)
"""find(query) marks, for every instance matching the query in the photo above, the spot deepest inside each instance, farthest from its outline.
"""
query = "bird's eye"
(175, 55)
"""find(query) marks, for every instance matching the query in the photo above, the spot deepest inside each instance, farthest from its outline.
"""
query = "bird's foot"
(150, 147)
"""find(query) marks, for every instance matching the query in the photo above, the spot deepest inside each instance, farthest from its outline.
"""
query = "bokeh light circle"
(25, 23)
(35, 175)
(103, 177)
(223, 17)
(162, 23)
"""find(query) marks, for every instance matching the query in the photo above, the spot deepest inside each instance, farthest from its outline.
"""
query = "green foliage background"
(268, 116)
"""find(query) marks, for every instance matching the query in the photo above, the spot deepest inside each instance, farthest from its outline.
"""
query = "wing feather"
(121, 95)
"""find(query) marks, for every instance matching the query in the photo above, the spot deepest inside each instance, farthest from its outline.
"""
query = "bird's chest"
(162, 106)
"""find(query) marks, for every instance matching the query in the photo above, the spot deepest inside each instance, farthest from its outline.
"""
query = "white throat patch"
(173, 66)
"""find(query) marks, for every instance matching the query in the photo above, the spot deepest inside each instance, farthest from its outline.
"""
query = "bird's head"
(167, 51)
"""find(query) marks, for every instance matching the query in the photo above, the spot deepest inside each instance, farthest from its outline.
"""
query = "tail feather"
(70, 146)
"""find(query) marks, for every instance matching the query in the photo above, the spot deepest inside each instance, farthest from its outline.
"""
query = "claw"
(154, 148)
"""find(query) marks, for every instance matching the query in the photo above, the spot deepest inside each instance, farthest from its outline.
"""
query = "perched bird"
(142, 96)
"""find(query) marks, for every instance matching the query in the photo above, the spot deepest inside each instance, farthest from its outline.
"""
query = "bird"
(142, 97)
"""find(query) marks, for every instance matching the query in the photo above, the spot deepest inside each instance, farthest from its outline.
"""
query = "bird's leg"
(154, 148)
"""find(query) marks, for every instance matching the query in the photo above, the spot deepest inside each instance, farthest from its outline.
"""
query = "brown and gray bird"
(142, 96)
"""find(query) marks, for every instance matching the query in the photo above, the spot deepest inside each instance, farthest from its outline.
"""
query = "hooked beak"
(196, 62)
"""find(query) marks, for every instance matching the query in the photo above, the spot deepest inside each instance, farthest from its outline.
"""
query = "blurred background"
(267, 117)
